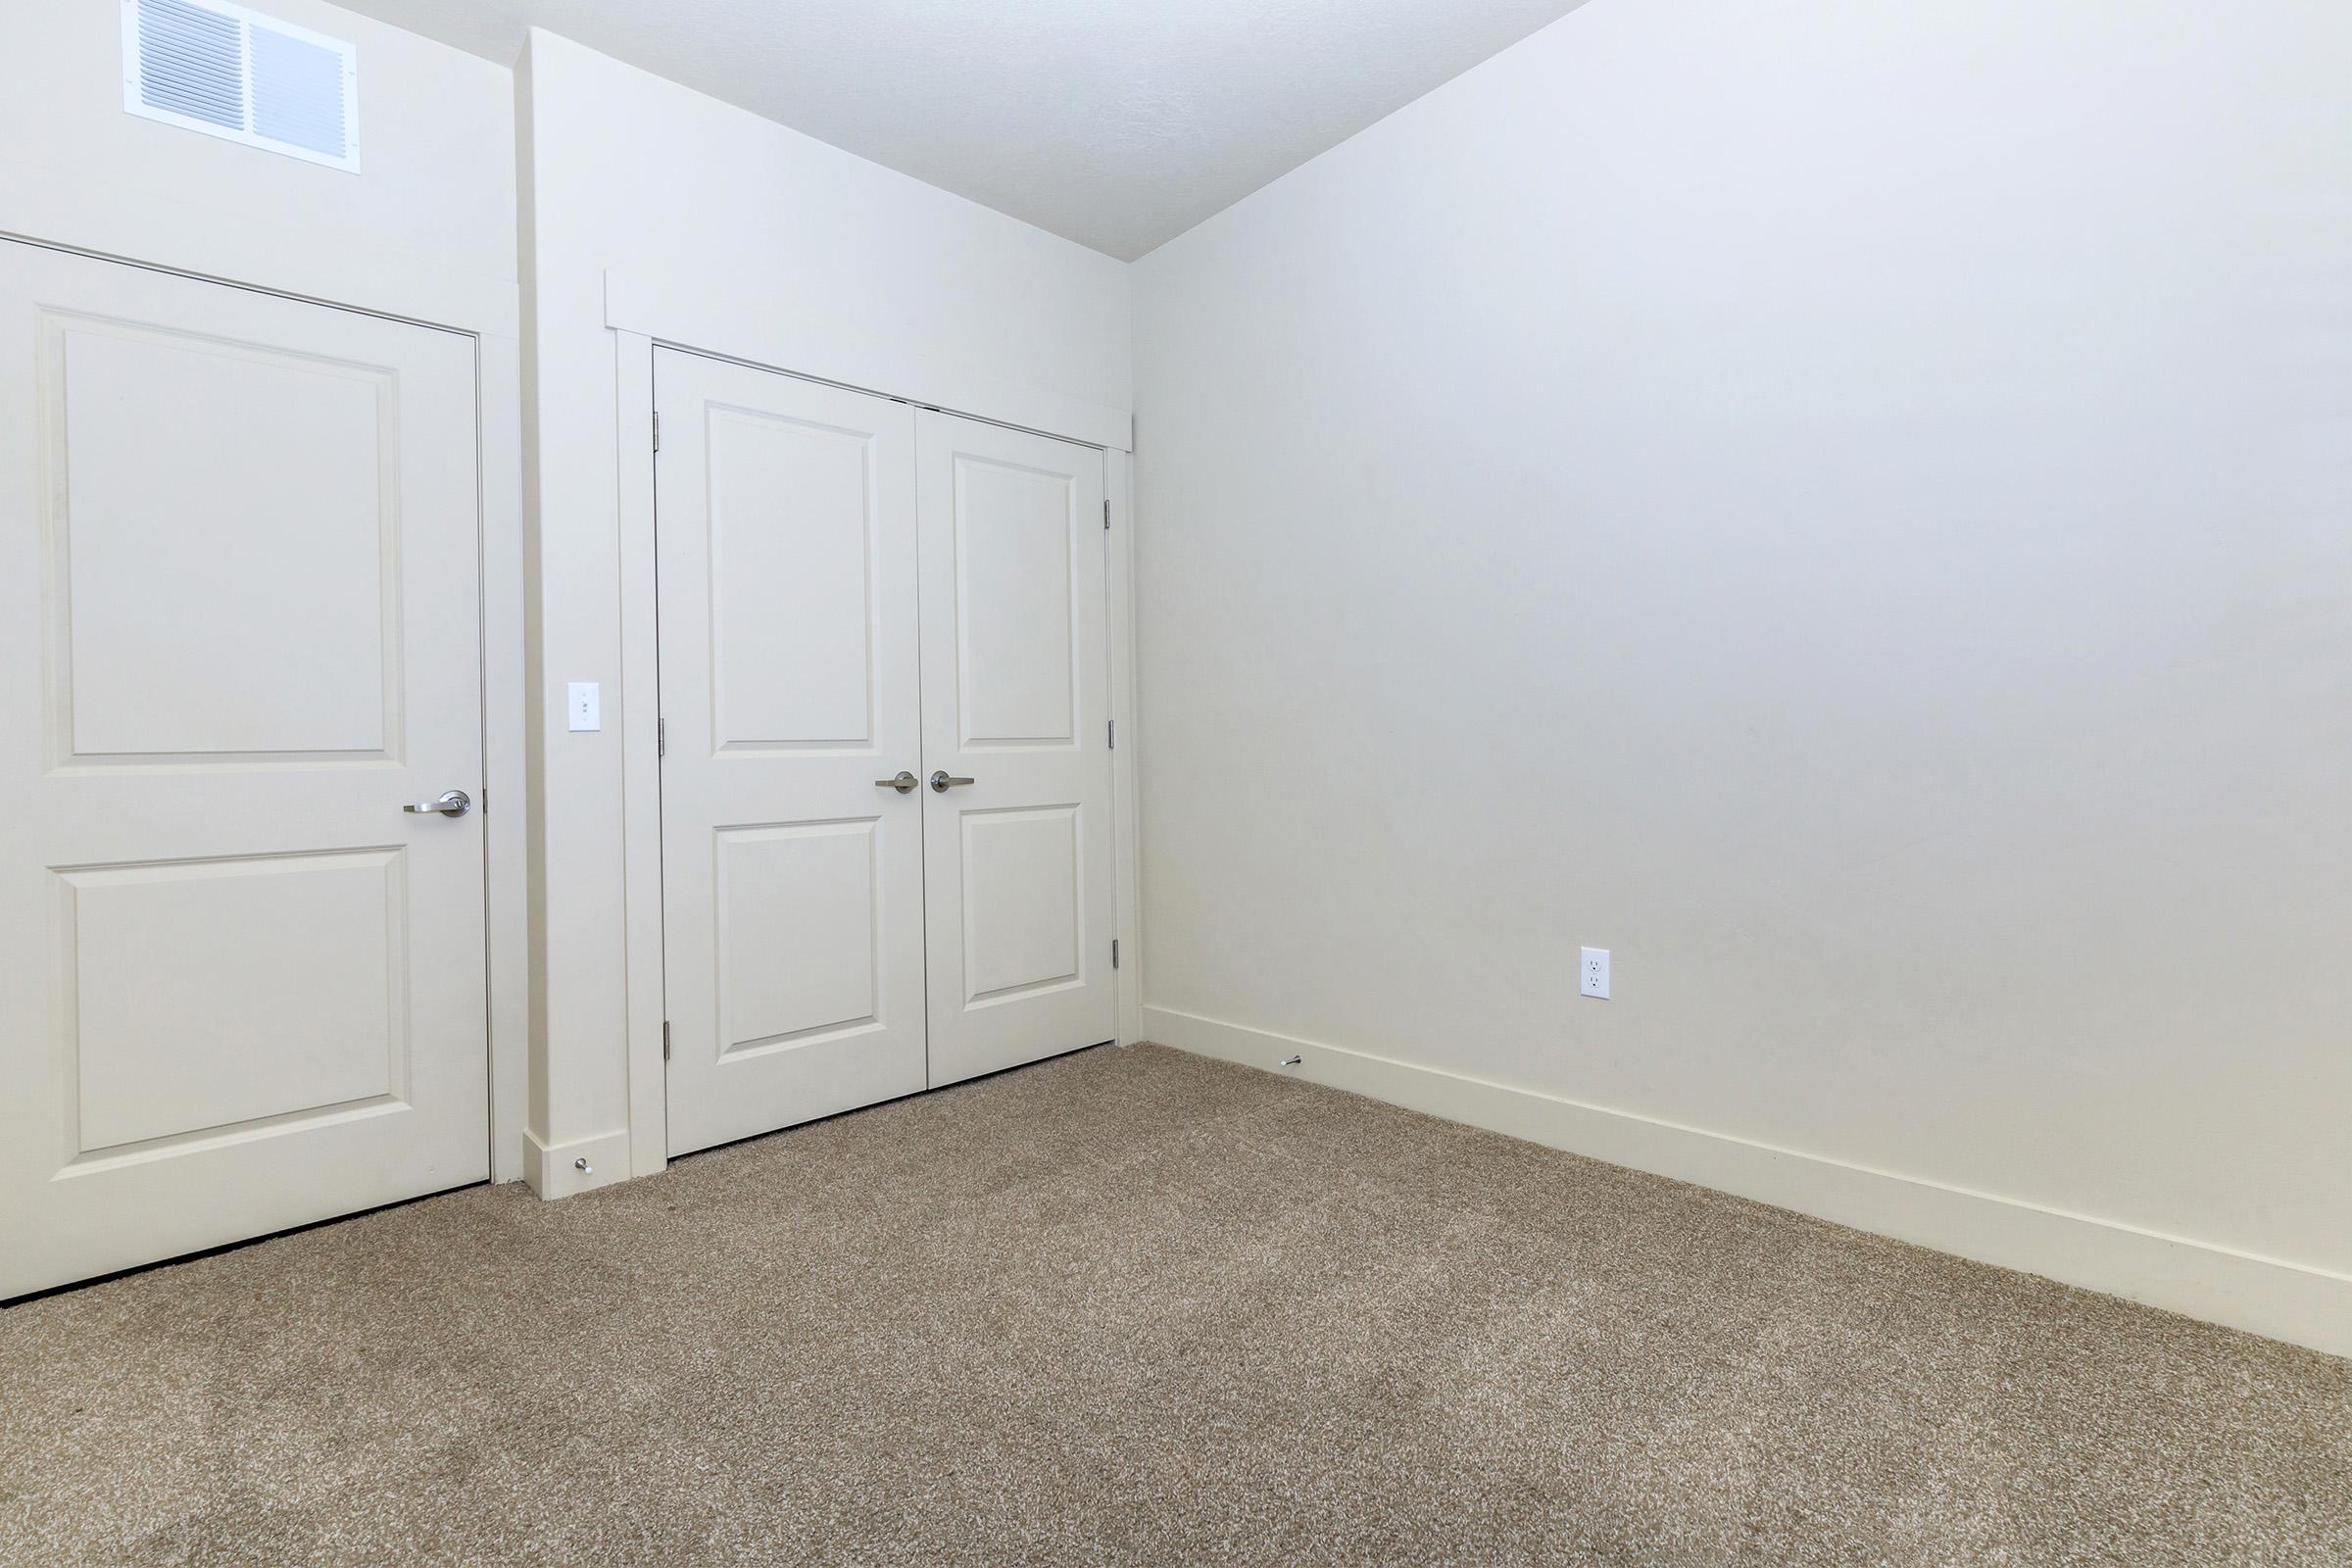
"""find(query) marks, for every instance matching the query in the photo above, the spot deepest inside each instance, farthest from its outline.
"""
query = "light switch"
(586, 703)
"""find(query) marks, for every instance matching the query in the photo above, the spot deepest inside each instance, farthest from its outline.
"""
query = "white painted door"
(791, 880)
(240, 988)
(1017, 709)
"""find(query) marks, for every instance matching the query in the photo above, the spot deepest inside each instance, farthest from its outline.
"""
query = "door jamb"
(1126, 804)
(641, 761)
(506, 808)
(640, 716)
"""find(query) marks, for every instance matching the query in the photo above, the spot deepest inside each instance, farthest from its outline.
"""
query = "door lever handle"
(942, 783)
(904, 783)
(457, 803)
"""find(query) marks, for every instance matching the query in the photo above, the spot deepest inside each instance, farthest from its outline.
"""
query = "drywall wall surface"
(685, 200)
(424, 229)
(770, 246)
(1849, 508)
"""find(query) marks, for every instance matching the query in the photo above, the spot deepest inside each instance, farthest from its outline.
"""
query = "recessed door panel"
(186, 460)
(1016, 625)
(1023, 901)
(1016, 722)
(792, 882)
(240, 988)
(791, 592)
(211, 995)
(797, 947)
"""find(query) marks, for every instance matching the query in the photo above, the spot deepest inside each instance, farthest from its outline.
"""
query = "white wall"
(733, 235)
(1849, 507)
(426, 229)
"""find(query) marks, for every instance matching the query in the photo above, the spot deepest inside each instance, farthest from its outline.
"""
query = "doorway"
(241, 758)
(886, 748)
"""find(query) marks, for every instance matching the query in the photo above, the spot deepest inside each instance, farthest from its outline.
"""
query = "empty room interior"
(811, 782)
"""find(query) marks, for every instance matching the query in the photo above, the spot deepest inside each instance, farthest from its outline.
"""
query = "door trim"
(769, 333)
(498, 532)
(640, 711)
(640, 761)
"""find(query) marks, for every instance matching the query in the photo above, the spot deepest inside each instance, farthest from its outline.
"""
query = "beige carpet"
(1134, 1306)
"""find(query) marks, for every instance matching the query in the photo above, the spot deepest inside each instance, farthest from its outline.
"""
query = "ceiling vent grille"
(228, 73)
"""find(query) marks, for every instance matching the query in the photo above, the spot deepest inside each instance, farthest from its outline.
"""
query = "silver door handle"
(457, 803)
(942, 783)
(904, 783)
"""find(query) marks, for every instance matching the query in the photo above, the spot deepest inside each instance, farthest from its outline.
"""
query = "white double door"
(886, 780)
(241, 988)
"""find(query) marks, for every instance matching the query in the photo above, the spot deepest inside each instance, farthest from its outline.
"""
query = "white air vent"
(226, 71)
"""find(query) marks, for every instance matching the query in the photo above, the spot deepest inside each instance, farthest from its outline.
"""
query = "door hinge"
(1115, 952)
(661, 737)
(1114, 734)
(656, 430)
(666, 1039)
(1106, 515)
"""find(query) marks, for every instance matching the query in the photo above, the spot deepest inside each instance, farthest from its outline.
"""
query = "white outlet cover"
(1592, 977)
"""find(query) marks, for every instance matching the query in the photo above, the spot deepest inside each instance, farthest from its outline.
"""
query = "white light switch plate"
(1594, 978)
(584, 701)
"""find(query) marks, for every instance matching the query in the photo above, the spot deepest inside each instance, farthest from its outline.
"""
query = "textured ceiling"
(1119, 124)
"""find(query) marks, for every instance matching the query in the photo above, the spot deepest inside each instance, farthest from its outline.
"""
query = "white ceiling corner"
(1118, 123)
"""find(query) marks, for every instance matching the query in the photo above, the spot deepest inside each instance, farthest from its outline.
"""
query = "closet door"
(1016, 746)
(792, 868)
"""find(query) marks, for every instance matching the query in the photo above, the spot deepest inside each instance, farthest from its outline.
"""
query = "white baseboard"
(2265, 1296)
(552, 1171)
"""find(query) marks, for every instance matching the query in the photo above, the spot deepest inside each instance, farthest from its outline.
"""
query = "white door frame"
(640, 700)
(506, 868)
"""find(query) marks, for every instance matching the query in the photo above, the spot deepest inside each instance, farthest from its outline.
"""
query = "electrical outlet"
(1595, 979)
